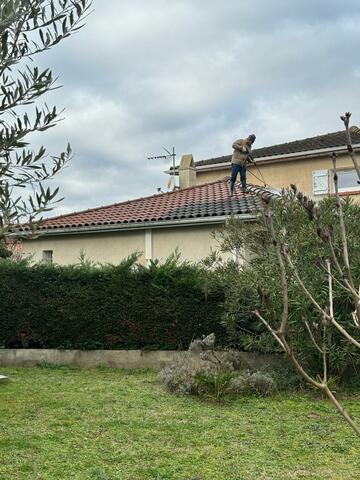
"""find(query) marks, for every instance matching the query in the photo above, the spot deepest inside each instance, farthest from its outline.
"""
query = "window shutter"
(320, 182)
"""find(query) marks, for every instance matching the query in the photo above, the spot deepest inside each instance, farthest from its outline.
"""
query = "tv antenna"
(168, 155)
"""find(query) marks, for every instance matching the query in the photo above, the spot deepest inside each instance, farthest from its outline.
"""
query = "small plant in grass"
(57, 366)
(98, 474)
(214, 385)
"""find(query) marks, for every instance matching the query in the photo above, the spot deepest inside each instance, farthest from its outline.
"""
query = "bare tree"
(338, 262)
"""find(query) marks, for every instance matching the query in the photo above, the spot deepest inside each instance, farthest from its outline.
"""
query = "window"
(348, 181)
(320, 182)
(47, 256)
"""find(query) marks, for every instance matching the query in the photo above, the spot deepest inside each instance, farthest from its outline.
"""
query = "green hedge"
(107, 307)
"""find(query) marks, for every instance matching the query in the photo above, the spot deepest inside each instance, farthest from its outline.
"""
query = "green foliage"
(87, 306)
(257, 284)
(28, 28)
(4, 252)
(214, 385)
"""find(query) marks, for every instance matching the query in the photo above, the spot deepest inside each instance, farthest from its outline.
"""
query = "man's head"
(251, 139)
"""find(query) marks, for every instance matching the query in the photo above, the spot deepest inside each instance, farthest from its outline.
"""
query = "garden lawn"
(103, 424)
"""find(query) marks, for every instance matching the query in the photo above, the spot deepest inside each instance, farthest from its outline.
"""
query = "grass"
(103, 424)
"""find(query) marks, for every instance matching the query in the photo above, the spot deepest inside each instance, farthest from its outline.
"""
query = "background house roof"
(200, 201)
(329, 140)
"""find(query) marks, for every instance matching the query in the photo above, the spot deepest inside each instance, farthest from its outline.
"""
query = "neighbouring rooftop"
(320, 142)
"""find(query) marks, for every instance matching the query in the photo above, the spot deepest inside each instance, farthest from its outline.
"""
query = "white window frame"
(148, 246)
(348, 189)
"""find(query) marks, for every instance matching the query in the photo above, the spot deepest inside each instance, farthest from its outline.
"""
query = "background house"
(306, 163)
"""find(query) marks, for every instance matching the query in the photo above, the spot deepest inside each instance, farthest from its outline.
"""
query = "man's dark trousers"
(235, 169)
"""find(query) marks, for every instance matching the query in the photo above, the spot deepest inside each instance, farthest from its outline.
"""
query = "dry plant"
(338, 262)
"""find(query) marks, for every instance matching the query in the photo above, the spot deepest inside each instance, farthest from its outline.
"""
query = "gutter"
(132, 226)
(275, 158)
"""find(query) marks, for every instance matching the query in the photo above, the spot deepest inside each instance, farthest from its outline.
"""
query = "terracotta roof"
(329, 140)
(200, 201)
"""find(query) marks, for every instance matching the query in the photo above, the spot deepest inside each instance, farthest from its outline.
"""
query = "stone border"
(116, 358)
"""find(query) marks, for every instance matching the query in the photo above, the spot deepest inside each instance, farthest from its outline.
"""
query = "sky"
(194, 74)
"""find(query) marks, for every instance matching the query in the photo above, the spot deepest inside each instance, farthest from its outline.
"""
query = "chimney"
(187, 171)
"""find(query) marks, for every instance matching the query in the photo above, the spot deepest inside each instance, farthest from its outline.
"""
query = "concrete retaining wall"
(116, 358)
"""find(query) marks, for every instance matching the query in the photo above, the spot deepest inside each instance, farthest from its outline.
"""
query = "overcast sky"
(195, 74)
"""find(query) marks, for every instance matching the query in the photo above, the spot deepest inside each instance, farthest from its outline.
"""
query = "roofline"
(134, 226)
(277, 158)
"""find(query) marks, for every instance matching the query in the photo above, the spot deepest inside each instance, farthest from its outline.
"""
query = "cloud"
(143, 75)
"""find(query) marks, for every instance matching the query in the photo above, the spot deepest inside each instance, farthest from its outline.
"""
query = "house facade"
(157, 226)
(306, 163)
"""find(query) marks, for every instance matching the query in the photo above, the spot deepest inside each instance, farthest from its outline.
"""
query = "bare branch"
(341, 409)
(346, 119)
(324, 353)
(331, 301)
(345, 251)
(322, 312)
(285, 346)
(322, 386)
(312, 337)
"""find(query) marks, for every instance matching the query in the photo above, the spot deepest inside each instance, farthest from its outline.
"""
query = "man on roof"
(240, 158)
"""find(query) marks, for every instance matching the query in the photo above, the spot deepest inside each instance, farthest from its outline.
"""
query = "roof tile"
(199, 201)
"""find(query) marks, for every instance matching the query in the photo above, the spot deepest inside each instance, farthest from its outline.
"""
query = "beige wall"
(282, 174)
(102, 247)
(194, 243)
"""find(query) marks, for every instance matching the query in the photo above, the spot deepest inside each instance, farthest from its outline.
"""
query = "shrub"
(256, 285)
(126, 306)
(262, 384)
(179, 378)
(209, 378)
(187, 378)
(286, 378)
(254, 383)
(216, 376)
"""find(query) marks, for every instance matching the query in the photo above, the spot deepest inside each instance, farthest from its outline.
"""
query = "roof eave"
(133, 226)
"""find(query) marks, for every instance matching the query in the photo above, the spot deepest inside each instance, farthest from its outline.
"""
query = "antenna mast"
(169, 154)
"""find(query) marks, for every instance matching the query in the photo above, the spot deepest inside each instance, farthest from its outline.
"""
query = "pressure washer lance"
(258, 169)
